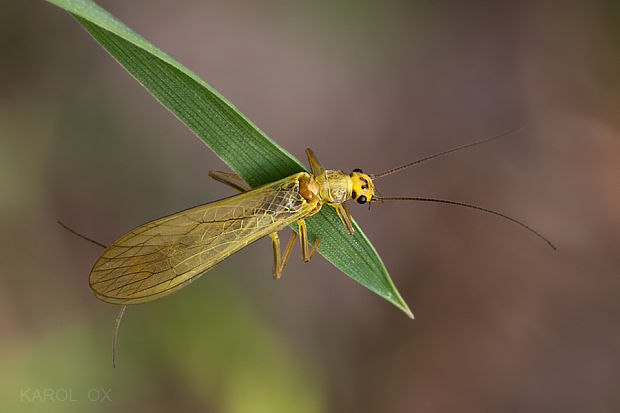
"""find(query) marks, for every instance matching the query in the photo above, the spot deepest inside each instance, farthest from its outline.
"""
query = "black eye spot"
(358, 170)
(361, 199)
(365, 186)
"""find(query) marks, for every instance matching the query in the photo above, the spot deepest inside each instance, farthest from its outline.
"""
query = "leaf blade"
(232, 136)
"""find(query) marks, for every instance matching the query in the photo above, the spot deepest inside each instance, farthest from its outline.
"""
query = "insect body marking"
(363, 188)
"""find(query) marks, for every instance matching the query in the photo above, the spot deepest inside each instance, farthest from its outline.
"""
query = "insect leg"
(305, 254)
(303, 239)
(229, 179)
(279, 263)
(315, 245)
(314, 163)
(345, 216)
(275, 242)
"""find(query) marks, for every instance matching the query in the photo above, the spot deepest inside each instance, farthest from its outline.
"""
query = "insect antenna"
(375, 198)
(80, 235)
(119, 317)
(117, 324)
(463, 204)
(446, 152)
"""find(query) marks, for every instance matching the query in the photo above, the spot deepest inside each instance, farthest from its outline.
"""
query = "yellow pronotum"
(161, 256)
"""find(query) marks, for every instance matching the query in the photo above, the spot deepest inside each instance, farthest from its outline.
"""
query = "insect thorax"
(335, 186)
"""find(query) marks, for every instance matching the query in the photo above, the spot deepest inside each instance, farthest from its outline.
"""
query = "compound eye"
(361, 199)
(358, 170)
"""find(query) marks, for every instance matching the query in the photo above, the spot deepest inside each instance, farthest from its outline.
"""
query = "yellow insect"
(159, 257)
(162, 256)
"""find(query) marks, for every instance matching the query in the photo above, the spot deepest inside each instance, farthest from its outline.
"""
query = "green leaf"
(244, 147)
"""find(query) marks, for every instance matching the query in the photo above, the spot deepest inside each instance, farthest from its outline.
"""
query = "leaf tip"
(395, 298)
(407, 311)
(400, 303)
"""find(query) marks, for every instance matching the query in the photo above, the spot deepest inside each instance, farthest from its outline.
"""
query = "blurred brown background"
(503, 322)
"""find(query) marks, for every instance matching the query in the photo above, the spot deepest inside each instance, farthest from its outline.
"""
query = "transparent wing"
(161, 256)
